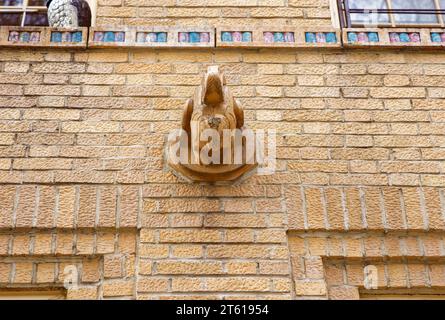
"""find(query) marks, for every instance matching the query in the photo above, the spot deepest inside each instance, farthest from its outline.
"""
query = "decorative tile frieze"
(43, 37)
(157, 37)
(110, 37)
(149, 37)
(321, 38)
(22, 36)
(437, 37)
(278, 37)
(228, 36)
(62, 37)
(390, 37)
(194, 37)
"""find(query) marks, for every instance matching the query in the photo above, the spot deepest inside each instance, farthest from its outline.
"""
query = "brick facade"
(360, 177)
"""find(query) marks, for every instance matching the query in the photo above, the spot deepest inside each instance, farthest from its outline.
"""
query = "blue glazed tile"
(278, 37)
(24, 36)
(352, 37)
(109, 36)
(195, 37)
(162, 36)
(310, 37)
(331, 37)
(373, 37)
(404, 37)
(56, 37)
(435, 37)
(77, 36)
(247, 36)
(226, 36)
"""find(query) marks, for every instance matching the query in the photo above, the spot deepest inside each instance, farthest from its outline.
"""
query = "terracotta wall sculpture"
(210, 146)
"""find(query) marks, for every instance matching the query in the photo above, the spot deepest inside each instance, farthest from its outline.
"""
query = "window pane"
(36, 3)
(414, 18)
(442, 6)
(36, 19)
(10, 19)
(369, 17)
(11, 3)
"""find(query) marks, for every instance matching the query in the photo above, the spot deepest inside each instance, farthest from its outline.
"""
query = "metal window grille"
(391, 13)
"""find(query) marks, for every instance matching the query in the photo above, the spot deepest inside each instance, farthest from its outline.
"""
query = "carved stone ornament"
(212, 144)
(68, 13)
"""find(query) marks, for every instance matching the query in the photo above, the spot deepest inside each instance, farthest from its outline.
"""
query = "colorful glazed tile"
(404, 37)
(289, 37)
(204, 37)
(247, 36)
(352, 37)
(394, 37)
(311, 37)
(331, 37)
(56, 37)
(35, 36)
(76, 36)
(278, 37)
(373, 37)
(162, 36)
(140, 37)
(109, 36)
(237, 36)
(183, 37)
(14, 36)
(66, 37)
(414, 37)
(226, 36)
(119, 36)
(195, 37)
(321, 37)
(362, 37)
(435, 37)
(98, 36)
(268, 37)
(151, 37)
(24, 36)
(442, 36)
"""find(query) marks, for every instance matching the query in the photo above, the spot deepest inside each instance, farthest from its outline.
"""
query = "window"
(23, 13)
(392, 13)
(29, 12)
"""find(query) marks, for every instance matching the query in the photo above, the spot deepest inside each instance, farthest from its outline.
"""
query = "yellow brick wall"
(212, 12)
(360, 149)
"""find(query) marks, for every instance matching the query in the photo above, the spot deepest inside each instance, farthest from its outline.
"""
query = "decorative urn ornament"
(213, 144)
(68, 13)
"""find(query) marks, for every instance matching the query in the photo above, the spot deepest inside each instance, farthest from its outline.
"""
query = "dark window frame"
(24, 9)
(346, 22)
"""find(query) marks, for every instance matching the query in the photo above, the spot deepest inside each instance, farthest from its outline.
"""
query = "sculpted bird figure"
(213, 108)
(68, 13)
